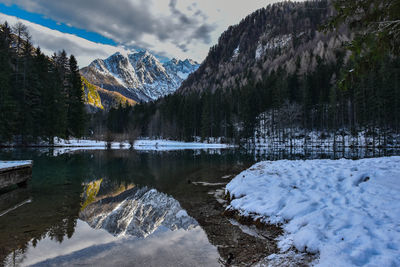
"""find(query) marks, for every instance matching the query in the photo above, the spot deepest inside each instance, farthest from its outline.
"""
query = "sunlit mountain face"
(139, 76)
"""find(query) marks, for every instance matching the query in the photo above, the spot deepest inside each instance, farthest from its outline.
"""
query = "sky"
(92, 29)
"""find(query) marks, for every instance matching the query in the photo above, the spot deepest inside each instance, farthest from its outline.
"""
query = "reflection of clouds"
(48, 248)
(172, 248)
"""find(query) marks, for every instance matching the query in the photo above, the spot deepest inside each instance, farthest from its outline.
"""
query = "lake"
(132, 208)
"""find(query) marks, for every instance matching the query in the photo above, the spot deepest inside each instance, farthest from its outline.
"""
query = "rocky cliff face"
(139, 76)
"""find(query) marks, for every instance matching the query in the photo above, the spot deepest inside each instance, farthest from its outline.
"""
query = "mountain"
(285, 75)
(139, 76)
(282, 36)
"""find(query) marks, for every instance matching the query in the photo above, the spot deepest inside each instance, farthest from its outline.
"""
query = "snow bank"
(175, 145)
(348, 211)
(12, 164)
(138, 145)
(86, 143)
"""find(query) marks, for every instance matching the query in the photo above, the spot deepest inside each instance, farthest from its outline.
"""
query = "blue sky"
(18, 12)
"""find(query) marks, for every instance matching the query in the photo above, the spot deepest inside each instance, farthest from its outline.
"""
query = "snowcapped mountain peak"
(182, 69)
(189, 61)
(116, 54)
(139, 75)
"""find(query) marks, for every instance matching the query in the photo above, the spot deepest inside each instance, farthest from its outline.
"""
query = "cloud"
(51, 41)
(160, 26)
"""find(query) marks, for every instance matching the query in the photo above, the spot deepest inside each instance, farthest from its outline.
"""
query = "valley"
(184, 133)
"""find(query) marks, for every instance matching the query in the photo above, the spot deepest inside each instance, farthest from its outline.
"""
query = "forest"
(283, 72)
(40, 97)
(340, 89)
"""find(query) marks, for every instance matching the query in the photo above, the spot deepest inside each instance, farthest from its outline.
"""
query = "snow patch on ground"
(138, 145)
(347, 211)
(288, 259)
(12, 164)
(176, 145)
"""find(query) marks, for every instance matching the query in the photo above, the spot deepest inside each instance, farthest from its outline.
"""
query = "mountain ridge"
(283, 35)
(139, 76)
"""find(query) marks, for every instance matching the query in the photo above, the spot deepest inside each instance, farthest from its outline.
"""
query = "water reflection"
(110, 232)
(137, 212)
(170, 248)
(121, 197)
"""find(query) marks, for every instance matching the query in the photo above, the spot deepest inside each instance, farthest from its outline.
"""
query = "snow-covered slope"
(140, 75)
(346, 210)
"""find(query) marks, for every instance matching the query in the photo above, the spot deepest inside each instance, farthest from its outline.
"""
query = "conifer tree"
(7, 104)
(76, 107)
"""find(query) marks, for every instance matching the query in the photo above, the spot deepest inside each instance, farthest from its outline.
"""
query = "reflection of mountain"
(90, 192)
(137, 212)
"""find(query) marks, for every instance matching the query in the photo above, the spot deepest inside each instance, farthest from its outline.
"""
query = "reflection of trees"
(55, 191)
(57, 186)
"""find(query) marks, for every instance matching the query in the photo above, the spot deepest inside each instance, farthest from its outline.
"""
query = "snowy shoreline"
(347, 211)
(143, 144)
(14, 164)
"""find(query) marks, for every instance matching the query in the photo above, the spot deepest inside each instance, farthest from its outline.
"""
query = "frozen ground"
(175, 145)
(10, 164)
(346, 211)
(138, 145)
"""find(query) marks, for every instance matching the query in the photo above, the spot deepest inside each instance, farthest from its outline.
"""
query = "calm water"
(120, 207)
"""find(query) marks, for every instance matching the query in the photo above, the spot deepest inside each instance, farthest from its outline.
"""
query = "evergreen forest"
(40, 97)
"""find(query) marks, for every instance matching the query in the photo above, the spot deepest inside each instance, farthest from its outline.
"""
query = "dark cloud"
(183, 47)
(126, 21)
(203, 33)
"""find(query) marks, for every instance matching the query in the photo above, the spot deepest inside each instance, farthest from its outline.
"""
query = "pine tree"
(7, 104)
(76, 106)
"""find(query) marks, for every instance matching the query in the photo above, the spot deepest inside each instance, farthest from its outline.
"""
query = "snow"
(182, 75)
(143, 74)
(11, 164)
(265, 136)
(176, 145)
(145, 144)
(280, 41)
(347, 211)
(236, 52)
(181, 213)
(259, 51)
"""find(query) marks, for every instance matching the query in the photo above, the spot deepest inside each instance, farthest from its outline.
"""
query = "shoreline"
(324, 207)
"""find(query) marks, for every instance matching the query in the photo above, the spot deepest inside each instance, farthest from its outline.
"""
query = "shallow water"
(121, 207)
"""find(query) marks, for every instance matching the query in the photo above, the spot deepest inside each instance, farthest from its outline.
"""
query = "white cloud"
(174, 28)
(51, 41)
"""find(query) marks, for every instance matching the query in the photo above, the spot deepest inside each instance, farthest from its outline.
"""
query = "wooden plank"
(16, 175)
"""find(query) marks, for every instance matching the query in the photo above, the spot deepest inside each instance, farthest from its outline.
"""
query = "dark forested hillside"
(283, 35)
(281, 70)
(40, 97)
